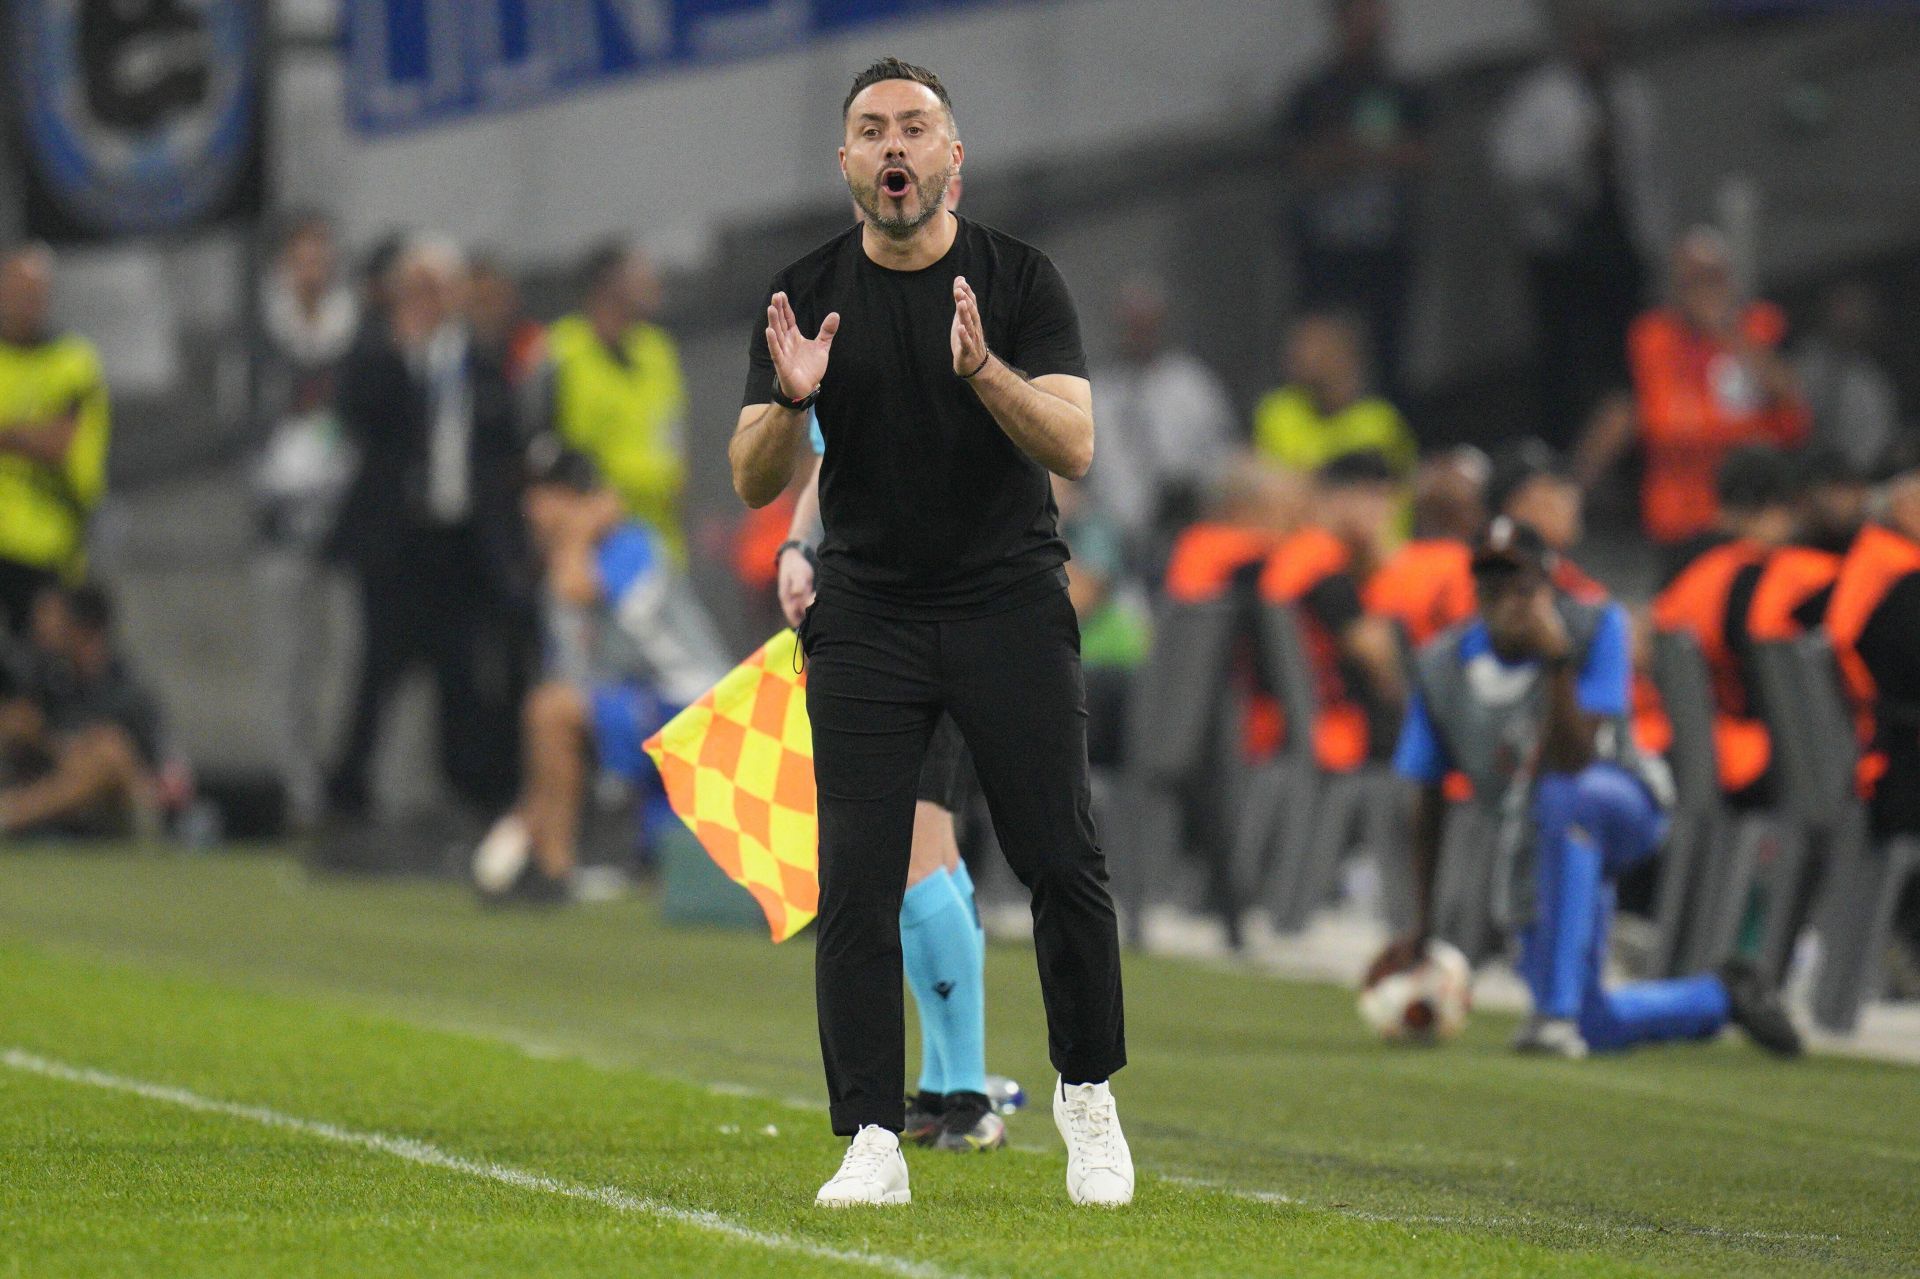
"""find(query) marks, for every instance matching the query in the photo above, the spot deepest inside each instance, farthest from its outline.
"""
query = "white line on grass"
(432, 1156)
(1497, 1222)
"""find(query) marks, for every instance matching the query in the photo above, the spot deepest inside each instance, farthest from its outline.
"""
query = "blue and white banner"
(135, 116)
(416, 62)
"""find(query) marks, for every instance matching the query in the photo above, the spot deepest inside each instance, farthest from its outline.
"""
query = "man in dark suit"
(431, 528)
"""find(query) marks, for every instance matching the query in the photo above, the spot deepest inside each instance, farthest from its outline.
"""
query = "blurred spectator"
(1112, 615)
(1835, 495)
(1320, 570)
(1522, 701)
(1166, 425)
(1794, 589)
(1531, 485)
(1577, 145)
(80, 735)
(501, 326)
(1711, 598)
(309, 319)
(430, 526)
(53, 436)
(1856, 410)
(1324, 410)
(1249, 511)
(376, 275)
(614, 388)
(1872, 621)
(628, 647)
(1708, 377)
(1355, 140)
(1427, 585)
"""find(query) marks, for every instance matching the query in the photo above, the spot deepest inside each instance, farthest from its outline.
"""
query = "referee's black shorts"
(945, 775)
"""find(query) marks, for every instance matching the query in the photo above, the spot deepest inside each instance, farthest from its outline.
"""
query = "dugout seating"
(1861, 878)
(1691, 864)
(1298, 822)
(1814, 755)
(1179, 760)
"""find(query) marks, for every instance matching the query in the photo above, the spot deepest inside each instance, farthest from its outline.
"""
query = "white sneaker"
(1099, 1165)
(502, 855)
(1551, 1037)
(872, 1173)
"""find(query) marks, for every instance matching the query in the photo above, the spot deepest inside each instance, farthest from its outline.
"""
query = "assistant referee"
(947, 374)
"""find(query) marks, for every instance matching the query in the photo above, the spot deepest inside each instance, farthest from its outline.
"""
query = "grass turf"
(598, 1047)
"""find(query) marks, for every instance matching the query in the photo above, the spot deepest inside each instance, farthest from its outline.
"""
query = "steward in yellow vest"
(616, 389)
(53, 437)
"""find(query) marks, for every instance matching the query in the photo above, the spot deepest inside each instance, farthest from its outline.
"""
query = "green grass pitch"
(219, 1066)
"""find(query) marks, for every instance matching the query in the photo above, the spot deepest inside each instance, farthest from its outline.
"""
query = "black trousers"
(436, 606)
(1011, 681)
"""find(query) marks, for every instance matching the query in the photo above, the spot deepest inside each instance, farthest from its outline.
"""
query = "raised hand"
(969, 335)
(798, 361)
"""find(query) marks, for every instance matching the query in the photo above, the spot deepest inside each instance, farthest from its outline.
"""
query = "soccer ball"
(1424, 1004)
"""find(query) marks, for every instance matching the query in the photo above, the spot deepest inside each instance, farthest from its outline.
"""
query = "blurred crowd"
(505, 493)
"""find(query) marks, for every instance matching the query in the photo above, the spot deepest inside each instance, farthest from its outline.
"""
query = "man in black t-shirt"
(948, 378)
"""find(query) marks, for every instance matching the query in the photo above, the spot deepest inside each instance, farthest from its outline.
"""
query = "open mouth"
(896, 182)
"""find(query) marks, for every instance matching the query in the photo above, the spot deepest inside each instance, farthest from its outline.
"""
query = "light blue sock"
(944, 954)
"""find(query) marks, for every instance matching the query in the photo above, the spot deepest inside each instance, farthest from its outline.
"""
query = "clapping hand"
(799, 362)
(969, 336)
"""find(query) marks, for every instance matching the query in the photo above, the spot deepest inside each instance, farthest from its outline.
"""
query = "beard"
(931, 189)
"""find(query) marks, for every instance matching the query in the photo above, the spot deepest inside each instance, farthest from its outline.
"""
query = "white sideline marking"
(432, 1156)
(1496, 1221)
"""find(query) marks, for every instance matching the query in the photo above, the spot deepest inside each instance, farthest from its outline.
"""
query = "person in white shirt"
(1166, 426)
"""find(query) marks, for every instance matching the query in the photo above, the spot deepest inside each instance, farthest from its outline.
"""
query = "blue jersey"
(647, 627)
(1604, 689)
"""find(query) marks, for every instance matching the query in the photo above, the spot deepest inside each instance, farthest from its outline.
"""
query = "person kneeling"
(1529, 699)
(628, 646)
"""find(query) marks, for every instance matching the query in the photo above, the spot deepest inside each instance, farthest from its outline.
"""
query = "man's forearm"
(807, 526)
(761, 454)
(45, 442)
(1048, 429)
(1566, 745)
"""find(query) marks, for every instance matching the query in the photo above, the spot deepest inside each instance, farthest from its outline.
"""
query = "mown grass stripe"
(431, 1156)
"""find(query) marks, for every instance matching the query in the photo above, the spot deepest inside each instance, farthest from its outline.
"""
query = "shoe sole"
(970, 1145)
(887, 1200)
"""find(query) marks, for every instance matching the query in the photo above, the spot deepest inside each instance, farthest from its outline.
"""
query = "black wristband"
(795, 544)
(794, 406)
(968, 377)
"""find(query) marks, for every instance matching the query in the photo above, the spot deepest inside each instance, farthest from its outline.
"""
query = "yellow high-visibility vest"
(626, 414)
(1289, 429)
(44, 509)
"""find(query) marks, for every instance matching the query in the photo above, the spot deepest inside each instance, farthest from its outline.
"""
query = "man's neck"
(609, 322)
(921, 249)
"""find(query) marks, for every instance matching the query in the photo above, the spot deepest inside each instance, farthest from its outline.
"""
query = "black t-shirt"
(930, 510)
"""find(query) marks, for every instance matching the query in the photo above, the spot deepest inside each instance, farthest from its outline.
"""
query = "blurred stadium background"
(1163, 155)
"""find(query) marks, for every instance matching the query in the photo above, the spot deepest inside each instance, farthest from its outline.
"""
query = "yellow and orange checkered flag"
(738, 768)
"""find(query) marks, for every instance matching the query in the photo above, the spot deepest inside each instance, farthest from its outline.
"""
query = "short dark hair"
(599, 265)
(895, 69)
